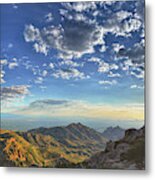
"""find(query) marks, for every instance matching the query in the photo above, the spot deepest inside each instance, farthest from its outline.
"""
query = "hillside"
(50, 147)
(73, 146)
(127, 153)
(16, 151)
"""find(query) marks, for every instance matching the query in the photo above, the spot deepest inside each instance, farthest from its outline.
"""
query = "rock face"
(127, 153)
(114, 133)
(50, 147)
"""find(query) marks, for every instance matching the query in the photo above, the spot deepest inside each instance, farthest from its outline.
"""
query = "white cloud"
(41, 48)
(111, 74)
(80, 6)
(38, 80)
(2, 74)
(13, 65)
(135, 86)
(121, 15)
(122, 23)
(69, 74)
(106, 82)
(106, 67)
(49, 17)
(95, 59)
(102, 48)
(51, 65)
(44, 73)
(3, 62)
(132, 25)
(69, 63)
(31, 33)
(117, 47)
(139, 75)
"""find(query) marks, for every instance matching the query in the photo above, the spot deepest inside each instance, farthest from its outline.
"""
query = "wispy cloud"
(68, 108)
(106, 82)
(135, 86)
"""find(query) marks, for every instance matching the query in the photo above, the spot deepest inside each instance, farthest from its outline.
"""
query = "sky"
(73, 60)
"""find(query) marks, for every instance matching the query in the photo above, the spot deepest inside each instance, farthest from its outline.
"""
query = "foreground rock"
(127, 153)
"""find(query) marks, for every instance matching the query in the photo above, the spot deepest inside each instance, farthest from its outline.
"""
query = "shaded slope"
(127, 153)
(75, 136)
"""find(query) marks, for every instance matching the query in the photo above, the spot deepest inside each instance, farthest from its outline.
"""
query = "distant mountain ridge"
(73, 132)
(114, 133)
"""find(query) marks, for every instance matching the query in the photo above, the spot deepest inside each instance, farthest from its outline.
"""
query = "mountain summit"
(114, 133)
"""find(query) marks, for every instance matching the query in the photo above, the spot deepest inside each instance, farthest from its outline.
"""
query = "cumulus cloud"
(123, 28)
(51, 65)
(95, 60)
(71, 39)
(44, 73)
(69, 63)
(13, 93)
(12, 65)
(121, 15)
(103, 67)
(49, 17)
(69, 74)
(2, 74)
(135, 59)
(106, 67)
(80, 6)
(81, 32)
(135, 53)
(3, 63)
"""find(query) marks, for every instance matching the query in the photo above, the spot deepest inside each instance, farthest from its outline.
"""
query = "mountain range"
(114, 133)
(47, 146)
(72, 146)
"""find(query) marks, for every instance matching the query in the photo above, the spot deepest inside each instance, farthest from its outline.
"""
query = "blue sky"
(68, 59)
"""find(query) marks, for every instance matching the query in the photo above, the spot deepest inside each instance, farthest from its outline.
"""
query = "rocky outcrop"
(127, 153)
